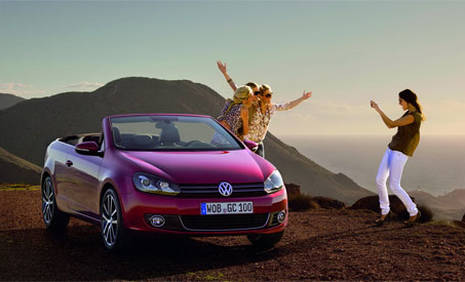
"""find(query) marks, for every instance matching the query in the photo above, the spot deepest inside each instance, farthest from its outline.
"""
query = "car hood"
(204, 167)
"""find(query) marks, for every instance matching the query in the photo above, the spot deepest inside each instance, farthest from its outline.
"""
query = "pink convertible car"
(163, 173)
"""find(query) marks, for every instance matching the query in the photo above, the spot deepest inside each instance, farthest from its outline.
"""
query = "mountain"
(16, 170)
(31, 125)
(8, 100)
(450, 206)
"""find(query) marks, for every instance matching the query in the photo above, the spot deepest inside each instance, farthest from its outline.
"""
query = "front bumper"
(183, 216)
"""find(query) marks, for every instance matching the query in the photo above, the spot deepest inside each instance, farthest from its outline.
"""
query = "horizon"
(345, 52)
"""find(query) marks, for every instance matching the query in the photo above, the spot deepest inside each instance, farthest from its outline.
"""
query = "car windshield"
(170, 133)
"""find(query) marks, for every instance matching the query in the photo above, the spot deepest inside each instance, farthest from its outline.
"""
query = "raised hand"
(221, 66)
(306, 95)
(374, 105)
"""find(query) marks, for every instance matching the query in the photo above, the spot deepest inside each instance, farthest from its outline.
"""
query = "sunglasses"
(268, 95)
(257, 93)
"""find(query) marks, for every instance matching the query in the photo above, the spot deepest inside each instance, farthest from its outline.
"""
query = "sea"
(437, 167)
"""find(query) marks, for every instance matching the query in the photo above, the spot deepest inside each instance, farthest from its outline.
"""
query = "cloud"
(83, 86)
(21, 89)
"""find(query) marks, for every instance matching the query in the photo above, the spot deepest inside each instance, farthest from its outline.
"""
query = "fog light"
(157, 220)
(281, 216)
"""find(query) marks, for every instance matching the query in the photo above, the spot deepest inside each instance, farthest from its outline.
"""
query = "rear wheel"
(54, 219)
(265, 241)
(113, 233)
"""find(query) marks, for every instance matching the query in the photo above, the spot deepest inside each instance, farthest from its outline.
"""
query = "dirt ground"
(319, 244)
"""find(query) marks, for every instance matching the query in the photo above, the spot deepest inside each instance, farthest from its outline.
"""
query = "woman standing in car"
(235, 113)
(402, 146)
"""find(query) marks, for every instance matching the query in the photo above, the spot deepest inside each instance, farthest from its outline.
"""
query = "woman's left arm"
(245, 120)
(406, 120)
(293, 104)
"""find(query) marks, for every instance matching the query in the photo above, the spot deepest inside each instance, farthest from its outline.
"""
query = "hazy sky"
(346, 52)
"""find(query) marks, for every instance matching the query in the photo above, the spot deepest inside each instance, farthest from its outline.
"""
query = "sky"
(345, 52)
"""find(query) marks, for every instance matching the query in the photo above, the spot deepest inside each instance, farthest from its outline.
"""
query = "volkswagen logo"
(225, 189)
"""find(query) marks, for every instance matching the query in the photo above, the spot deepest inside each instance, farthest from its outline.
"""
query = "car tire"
(54, 219)
(265, 241)
(115, 236)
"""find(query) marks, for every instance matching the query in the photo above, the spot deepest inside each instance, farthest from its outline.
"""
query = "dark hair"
(410, 97)
(252, 85)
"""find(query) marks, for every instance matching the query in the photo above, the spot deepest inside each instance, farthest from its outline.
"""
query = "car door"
(85, 175)
(63, 179)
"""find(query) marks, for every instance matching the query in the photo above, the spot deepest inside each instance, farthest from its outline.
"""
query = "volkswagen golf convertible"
(163, 173)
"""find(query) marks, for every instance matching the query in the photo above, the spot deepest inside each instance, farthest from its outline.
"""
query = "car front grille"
(211, 191)
(224, 222)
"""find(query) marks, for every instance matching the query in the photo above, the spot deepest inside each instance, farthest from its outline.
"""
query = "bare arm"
(222, 68)
(293, 104)
(245, 120)
(406, 120)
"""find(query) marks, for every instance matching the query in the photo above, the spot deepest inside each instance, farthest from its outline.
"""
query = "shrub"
(398, 210)
(301, 202)
(426, 214)
(328, 203)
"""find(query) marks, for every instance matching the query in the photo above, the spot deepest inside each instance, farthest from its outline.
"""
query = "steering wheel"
(189, 144)
(200, 144)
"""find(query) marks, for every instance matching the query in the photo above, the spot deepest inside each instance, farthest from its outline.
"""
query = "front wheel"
(114, 235)
(265, 241)
(54, 219)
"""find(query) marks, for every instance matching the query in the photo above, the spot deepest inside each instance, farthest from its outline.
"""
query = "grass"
(19, 187)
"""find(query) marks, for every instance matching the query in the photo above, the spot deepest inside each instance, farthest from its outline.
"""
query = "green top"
(408, 136)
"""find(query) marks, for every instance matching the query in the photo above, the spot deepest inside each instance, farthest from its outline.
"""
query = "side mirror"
(88, 148)
(251, 145)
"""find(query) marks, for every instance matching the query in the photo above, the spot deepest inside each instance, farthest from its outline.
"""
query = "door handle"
(69, 163)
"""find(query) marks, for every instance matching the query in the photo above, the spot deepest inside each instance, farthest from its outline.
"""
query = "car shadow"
(77, 254)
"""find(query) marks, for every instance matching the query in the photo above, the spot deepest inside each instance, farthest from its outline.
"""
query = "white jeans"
(391, 166)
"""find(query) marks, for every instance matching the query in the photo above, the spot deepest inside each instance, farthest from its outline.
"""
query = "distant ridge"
(16, 170)
(450, 206)
(8, 100)
(37, 122)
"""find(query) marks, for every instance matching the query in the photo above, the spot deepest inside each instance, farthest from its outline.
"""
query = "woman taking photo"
(235, 113)
(402, 146)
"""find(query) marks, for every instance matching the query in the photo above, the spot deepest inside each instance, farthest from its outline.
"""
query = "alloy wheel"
(109, 220)
(48, 201)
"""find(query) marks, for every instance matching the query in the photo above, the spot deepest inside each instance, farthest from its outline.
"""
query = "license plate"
(226, 208)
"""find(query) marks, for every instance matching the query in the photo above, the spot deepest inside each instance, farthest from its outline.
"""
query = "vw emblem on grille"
(225, 189)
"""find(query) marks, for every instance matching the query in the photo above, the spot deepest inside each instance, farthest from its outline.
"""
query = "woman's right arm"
(222, 68)
(406, 120)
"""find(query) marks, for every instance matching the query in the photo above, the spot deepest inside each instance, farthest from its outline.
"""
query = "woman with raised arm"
(259, 124)
(235, 113)
(402, 146)
(261, 109)
(255, 88)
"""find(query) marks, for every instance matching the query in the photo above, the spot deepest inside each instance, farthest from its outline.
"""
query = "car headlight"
(152, 184)
(274, 182)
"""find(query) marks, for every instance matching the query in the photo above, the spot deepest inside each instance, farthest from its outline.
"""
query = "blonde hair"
(242, 94)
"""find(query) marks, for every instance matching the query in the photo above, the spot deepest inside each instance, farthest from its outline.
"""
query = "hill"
(17, 170)
(8, 100)
(37, 122)
(450, 206)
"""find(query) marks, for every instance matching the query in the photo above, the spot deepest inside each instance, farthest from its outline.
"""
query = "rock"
(372, 203)
(293, 190)
(328, 203)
